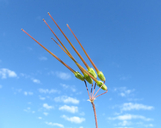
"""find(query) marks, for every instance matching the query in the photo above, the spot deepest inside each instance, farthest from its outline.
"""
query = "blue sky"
(123, 39)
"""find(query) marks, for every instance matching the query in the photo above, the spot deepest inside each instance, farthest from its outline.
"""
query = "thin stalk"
(101, 94)
(95, 116)
(70, 43)
(100, 88)
(56, 37)
(50, 52)
(87, 89)
(84, 50)
(70, 55)
(94, 89)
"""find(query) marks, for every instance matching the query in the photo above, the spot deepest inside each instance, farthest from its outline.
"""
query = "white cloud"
(28, 109)
(63, 75)
(66, 99)
(123, 91)
(130, 117)
(48, 91)
(149, 125)
(51, 73)
(74, 119)
(71, 109)
(43, 58)
(124, 123)
(144, 125)
(132, 106)
(40, 118)
(0, 86)
(42, 98)
(81, 127)
(28, 93)
(45, 113)
(64, 86)
(45, 105)
(68, 87)
(55, 124)
(4, 72)
(36, 81)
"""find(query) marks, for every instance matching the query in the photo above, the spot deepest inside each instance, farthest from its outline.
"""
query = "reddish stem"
(95, 116)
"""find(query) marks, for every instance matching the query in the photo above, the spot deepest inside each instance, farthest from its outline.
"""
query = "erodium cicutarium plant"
(89, 75)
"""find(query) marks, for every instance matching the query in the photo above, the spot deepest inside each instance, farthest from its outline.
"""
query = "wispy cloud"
(66, 99)
(74, 119)
(36, 81)
(123, 91)
(28, 93)
(48, 91)
(28, 109)
(130, 117)
(45, 105)
(39, 118)
(149, 125)
(43, 58)
(124, 124)
(132, 106)
(0, 86)
(45, 113)
(71, 109)
(31, 78)
(55, 124)
(4, 73)
(65, 86)
(63, 75)
(42, 98)
(143, 124)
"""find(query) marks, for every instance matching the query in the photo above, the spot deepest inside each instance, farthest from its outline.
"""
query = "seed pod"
(88, 78)
(99, 83)
(101, 76)
(79, 76)
(92, 72)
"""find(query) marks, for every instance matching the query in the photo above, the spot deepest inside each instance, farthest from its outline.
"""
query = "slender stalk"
(56, 37)
(70, 43)
(95, 116)
(87, 89)
(68, 53)
(84, 50)
(49, 52)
